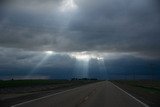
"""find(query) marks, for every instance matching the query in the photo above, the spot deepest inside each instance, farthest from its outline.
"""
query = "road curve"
(101, 94)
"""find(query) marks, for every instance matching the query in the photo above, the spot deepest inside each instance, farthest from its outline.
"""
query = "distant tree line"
(84, 79)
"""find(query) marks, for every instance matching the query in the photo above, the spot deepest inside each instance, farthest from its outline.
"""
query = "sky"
(63, 39)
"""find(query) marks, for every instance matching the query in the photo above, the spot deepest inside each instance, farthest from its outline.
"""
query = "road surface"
(101, 94)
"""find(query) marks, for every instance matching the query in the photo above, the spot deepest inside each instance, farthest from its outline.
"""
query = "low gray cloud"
(20, 64)
(103, 25)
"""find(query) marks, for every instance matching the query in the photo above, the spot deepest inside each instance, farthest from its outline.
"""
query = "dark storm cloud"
(17, 64)
(18, 58)
(120, 25)
(103, 25)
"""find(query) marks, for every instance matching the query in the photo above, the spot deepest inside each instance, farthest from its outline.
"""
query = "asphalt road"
(101, 94)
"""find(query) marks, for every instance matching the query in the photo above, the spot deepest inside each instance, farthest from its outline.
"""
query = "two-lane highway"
(102, 94)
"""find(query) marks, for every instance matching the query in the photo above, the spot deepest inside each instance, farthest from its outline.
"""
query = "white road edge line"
(145, 105)
(16, 105)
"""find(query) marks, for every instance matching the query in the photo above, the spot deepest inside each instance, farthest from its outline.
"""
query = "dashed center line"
(86, 98)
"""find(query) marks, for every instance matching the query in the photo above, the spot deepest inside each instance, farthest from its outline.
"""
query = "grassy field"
(24, 86)
(145, 90)
(150, 86)
(23, 83)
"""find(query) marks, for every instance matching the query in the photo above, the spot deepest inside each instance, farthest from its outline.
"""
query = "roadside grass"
(22, 83)
(16, 91)
(25, 83)
(149, 89)
(144, 85)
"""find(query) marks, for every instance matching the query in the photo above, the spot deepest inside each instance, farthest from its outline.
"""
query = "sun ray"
(81, 69)
(43, 60)
(82, 63)
(49, 52)
(68, 5)
(103, 68)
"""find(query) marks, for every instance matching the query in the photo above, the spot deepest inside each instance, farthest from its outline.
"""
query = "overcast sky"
(112, 29)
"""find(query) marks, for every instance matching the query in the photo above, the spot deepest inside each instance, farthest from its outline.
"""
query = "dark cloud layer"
(19, 64)
(103, 25)
(127, 31)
